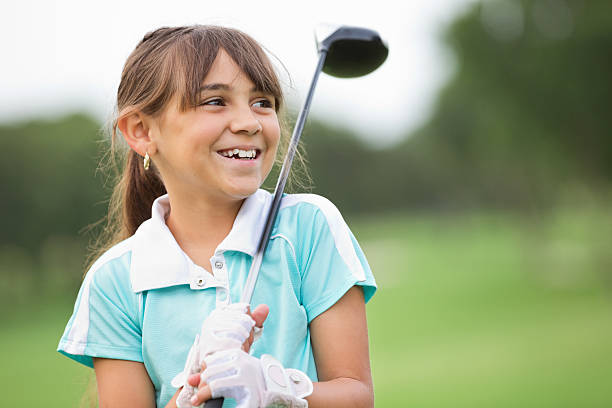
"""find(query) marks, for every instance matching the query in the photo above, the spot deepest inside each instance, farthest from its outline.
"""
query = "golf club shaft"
(249, 287)
(280, 186)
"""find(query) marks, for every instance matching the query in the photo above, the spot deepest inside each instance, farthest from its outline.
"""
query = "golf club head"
(351, 51)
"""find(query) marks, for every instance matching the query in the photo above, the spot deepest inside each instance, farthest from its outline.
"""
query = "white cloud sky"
(64, 55)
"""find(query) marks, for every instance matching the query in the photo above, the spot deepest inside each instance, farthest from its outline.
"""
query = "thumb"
(259, 314)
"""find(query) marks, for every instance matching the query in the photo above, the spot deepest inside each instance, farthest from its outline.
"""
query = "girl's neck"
(199, 224)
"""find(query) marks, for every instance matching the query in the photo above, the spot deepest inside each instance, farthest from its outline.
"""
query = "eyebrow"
(217, 86)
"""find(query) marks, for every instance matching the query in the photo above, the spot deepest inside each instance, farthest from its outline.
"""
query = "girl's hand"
(225, 328)
(251, 381)
(259, 314)
(229, 327)
(203, 394)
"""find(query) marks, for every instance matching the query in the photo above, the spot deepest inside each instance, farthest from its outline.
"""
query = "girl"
(200, 108)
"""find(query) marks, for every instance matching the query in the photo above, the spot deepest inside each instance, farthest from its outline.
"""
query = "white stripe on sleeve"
(77, 336)
(337, 226)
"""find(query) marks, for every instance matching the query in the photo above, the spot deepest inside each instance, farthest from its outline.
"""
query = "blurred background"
(474, 167)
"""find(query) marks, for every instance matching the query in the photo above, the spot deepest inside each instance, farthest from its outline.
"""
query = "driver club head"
(351, 51)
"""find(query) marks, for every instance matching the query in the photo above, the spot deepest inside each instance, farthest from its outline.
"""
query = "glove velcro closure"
(283, 386)
(302, 385)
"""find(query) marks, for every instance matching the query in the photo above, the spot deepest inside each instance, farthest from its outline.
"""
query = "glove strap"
(301, 382)
(284, 381)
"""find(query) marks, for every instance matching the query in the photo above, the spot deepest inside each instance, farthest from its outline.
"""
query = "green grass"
(472, 311)
(33, 373)
(491, 311)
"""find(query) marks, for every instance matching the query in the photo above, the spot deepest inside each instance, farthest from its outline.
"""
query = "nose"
(245, 121)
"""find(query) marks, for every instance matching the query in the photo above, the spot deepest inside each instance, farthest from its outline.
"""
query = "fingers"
(203, 367)
(194, 380)
(204, 393)
(246, 346)
(260, 314)
(202, 396)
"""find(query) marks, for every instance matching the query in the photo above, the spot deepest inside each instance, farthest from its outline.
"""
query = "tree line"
(522, 124)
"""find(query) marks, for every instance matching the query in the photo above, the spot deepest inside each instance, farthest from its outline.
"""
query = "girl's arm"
(123, 383)
(340, 347)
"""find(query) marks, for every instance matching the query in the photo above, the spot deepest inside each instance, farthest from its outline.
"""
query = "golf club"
(347, 52)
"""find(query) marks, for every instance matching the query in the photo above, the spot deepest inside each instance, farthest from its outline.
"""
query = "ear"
(136, 130)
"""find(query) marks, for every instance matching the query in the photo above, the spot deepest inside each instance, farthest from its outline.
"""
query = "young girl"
(201, 110)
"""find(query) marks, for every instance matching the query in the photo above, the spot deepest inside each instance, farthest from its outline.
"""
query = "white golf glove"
(225, 328)
(255, 382)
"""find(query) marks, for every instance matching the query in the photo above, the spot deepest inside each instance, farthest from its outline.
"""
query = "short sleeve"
(331, 260)
(105, 322)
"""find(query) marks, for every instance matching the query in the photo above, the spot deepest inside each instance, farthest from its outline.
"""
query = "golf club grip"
(214, 403)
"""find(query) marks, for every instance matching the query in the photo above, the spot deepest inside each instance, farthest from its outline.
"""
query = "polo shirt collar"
(158, 261)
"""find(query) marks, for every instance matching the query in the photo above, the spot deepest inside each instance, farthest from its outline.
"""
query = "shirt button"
(201, 282)
(218, 264)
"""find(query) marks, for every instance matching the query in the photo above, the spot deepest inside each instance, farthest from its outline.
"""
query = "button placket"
(222, 297)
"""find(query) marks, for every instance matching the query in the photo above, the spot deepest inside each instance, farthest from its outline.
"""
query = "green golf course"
(491, 310)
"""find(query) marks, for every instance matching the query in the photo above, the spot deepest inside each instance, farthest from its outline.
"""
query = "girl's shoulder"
(113, 265)
(113, 254)
(327, 254)
(312, 221)
(310, 211)
(298, 214)
(106, 317)
(311, 201)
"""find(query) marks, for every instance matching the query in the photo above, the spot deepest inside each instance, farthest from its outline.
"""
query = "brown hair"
(173, 61)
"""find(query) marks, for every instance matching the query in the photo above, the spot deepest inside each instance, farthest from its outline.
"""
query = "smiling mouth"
(239, 154)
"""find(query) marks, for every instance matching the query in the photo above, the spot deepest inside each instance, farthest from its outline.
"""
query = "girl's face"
(226, 146)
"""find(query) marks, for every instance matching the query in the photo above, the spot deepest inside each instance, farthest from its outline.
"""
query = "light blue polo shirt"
(145, 300)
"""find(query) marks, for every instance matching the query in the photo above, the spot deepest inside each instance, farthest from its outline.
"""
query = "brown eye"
(214, 102)
(265, 103)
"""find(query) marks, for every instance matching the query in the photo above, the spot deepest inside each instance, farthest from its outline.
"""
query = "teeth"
(240, 153)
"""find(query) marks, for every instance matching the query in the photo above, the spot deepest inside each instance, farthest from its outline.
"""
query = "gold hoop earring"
(147, 161)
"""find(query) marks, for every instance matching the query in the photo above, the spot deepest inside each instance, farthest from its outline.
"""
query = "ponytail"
(130, 203)
(142, 187)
